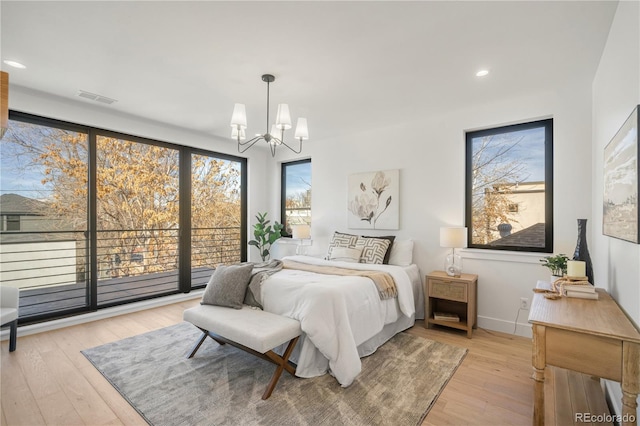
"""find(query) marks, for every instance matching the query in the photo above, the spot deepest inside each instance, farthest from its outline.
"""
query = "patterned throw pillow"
(341, 240)
(373, 250)
(391, 238)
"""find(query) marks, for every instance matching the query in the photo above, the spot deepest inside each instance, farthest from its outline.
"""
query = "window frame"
(283, 191)
(547, 125)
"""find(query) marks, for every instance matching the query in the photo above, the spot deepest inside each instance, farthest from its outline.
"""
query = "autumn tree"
(137, 191)
(494, 173)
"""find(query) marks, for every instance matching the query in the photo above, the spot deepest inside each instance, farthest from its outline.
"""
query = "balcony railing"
(52, 268)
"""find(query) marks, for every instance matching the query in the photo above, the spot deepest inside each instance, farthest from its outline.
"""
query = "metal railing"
(52, 268)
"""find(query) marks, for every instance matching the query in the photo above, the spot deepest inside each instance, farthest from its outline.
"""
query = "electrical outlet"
(524, 303)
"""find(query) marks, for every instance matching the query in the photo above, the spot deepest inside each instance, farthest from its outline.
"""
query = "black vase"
(582, 251)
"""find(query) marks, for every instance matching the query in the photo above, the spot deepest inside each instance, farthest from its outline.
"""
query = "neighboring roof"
(532, 236)
(19, 205)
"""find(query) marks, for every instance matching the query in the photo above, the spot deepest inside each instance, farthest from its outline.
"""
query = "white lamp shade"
(302, 131)
(301, 231)
(234, 133)
(453, 237)
(239, 116)
(275, 132)
(283, 118)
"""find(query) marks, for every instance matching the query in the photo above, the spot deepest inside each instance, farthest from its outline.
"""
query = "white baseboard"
(522, 329)
(101, 314)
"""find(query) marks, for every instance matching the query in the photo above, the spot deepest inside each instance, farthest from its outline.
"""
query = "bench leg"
(205, 333)
(283, 364)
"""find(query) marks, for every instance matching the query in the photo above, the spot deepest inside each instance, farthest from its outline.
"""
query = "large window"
(92, 218)
(296, 194)
(509, 187)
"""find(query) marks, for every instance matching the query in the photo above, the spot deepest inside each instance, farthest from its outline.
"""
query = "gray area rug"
(222, 385)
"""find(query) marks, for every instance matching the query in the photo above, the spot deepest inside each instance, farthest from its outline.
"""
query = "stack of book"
(446, 316)
(580, 291)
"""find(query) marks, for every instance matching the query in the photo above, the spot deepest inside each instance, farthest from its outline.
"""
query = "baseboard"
(509, 327)
(102, 314)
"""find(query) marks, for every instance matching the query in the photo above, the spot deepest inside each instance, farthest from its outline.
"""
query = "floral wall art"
(374, 200)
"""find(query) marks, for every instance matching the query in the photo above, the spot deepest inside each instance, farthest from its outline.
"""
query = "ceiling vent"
(97, 98)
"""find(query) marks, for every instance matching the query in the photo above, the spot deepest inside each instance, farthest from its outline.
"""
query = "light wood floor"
(47, 381)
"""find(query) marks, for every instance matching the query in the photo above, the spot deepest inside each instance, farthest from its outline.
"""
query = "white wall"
(83, 112)
(616, 91)
(430, 153)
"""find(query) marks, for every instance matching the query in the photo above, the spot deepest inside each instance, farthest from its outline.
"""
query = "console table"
(589, 336)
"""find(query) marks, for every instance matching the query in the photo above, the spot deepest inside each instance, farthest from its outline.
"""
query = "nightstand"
(456, 296)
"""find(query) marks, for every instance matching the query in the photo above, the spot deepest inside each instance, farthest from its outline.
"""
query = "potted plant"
(557, 264)
(265, 235)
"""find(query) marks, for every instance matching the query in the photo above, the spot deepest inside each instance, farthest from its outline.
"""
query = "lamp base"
(453, 265)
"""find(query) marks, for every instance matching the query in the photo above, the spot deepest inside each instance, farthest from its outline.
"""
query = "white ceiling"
(343, 65)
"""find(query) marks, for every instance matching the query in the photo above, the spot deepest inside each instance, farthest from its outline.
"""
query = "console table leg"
(539, 364)
(630, 382)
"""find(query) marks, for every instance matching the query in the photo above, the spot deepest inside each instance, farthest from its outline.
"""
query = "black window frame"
(547, 125)
(184, 283)
(283, 191)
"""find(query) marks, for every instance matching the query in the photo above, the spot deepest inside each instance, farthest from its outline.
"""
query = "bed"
(343, 317)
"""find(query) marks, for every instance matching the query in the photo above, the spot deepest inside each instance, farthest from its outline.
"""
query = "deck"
(46, 300)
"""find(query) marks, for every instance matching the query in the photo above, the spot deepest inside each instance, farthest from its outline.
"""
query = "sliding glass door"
(137, 219)
(216, 214)
(43, 215)
(91, 219)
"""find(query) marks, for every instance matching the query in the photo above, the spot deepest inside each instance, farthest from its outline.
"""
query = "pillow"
(388, 253)
(401, 253)
(227, 286)
(345, 254)
(373, 249)
(341, 240)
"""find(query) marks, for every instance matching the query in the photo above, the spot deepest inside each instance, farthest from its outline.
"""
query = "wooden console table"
(590, 336)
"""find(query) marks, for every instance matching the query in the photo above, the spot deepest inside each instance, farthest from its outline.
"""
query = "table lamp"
(453, 237)
(301, 233)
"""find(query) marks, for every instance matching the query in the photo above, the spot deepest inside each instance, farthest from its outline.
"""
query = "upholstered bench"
(255, 331)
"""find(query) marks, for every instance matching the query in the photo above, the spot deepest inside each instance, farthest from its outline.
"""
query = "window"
(94, 218)
(509, 187)
(296, 194)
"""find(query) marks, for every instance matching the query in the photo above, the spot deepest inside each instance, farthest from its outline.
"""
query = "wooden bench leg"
(283, 364)
(205, 333)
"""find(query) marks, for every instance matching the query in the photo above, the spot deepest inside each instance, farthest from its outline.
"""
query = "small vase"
(582, 251)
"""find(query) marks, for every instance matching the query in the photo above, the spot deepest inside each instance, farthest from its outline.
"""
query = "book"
(582, 288)
(582, 295)
(446, 316)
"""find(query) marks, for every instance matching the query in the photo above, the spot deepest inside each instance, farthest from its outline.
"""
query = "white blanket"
(337, 313)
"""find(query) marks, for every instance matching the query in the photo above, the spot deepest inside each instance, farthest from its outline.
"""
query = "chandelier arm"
(299, 147)
(248, 144)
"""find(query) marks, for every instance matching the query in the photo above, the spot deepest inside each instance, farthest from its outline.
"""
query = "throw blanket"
(261, 271)
(384, 281)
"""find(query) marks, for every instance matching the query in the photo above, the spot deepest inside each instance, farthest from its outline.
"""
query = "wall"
(81, 112)
(430, 153)
(616, 91)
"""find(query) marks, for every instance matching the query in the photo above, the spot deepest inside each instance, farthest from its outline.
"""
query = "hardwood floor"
(48, 381)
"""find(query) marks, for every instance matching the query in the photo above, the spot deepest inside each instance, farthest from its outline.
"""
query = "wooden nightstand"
(452, 295)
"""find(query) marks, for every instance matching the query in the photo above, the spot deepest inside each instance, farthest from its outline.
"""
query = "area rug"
(222, 385)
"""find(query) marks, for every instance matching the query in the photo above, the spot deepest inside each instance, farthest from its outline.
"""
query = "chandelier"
(274, 136)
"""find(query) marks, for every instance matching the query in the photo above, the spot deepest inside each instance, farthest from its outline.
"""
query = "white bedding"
(340, 313)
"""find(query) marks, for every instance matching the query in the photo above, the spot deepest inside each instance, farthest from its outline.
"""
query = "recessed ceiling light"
(15, 64)
(482, 73)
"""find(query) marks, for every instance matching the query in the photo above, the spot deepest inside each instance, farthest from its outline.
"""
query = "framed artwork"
(374, 200)
(620, 203)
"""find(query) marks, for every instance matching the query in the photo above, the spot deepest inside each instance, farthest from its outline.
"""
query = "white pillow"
(346, 254)
(401, 253)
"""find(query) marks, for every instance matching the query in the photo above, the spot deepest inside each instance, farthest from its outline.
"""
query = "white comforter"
(337, 313)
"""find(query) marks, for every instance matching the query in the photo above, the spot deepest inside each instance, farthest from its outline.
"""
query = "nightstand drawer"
(449, 290)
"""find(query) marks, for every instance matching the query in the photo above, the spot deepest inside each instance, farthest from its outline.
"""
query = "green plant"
(557, 264)
(265, 235)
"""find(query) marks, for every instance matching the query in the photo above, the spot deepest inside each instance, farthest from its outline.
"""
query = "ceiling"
(343, 65)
